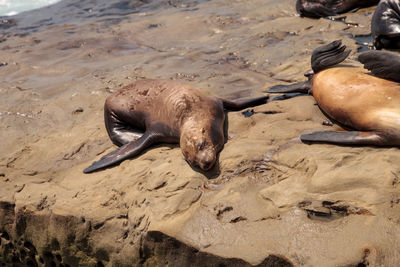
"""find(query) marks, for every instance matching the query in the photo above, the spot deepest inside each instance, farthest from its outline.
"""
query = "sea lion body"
(169, 107)
(358, 100)
(324, 8)
(167, 102)
(385, 25)
(165, 111)
(367, 104)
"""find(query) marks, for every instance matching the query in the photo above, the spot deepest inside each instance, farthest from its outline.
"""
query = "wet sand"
(269, 195)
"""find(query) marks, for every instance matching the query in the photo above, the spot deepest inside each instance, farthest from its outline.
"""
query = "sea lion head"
(200, 146)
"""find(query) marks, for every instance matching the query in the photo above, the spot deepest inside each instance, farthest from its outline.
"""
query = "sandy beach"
(269, 201)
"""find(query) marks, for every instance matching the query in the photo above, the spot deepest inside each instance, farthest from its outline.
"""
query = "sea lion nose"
(206, 159)
(207, 165)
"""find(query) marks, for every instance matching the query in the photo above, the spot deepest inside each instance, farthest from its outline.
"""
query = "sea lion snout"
(206, 159)
(199, 153)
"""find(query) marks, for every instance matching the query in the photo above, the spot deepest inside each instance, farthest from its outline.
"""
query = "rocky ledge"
(270, 201)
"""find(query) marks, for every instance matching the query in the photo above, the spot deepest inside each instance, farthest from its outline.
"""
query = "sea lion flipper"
(120, 131)
(382, 64)
(344, 138)
(242, 103)
(124, 152)
(328, 55)
(313, 9)
(300, 87)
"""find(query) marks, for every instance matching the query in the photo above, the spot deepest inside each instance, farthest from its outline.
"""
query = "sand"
(270, 200)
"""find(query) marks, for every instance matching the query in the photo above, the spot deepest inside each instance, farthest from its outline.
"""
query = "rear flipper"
(242, 103)
(300, 87)
(347, 138)
(322, 58)
(382, 64)
(328, 55)
(124, 152)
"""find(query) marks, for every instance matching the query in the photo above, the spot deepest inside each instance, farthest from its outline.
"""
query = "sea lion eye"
(200, 146)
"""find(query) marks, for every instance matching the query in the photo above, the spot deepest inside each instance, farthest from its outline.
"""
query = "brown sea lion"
(324, 8)
(385, 25)
(368, 104)
(165, 111)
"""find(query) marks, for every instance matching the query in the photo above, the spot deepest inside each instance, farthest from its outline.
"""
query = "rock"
(270, 200)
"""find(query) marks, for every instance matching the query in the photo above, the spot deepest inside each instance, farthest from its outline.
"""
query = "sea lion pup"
(324, 8)
(385, 25)
(165, 111)
(354, 99)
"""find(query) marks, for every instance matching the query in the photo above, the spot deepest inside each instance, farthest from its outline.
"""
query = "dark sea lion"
(385, 25)
(324, 8)
(354, 99)
(165, 111)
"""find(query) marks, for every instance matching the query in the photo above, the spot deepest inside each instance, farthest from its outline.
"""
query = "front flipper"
(345, 138)
(382, 64)
(124, 152)
(242, 103)
(300, 87)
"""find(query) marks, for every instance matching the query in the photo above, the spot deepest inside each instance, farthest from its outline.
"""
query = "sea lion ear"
(203, 130)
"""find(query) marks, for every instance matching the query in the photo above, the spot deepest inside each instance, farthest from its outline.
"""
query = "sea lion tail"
(328, 55)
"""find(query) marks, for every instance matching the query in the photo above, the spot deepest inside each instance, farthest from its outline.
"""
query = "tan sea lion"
(165, 111)
(324, 8)
(370, 105)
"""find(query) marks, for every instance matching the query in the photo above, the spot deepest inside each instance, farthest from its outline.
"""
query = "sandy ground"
(270, 194)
